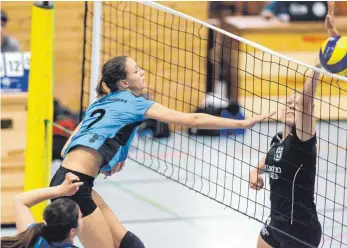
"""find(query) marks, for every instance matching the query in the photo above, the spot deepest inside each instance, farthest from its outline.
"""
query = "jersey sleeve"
(141, 106)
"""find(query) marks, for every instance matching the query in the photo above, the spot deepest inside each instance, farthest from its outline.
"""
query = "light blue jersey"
(43, 243)
(109, 126)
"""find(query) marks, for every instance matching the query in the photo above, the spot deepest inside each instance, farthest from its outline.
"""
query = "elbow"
(18, 200)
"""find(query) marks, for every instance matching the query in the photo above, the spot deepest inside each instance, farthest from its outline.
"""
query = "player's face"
(288, 111)
(79, 225)
(136, 76)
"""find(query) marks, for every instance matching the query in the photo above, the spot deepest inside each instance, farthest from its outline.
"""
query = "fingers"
(78, 184)
(265, 116)
(76, 187)
(70, 177)
(251, 122)
(260, 183)
(252, 185)
(256, 181)
(121, 164)
(331, 7)
(256, 186)
(329, 22)
(269, 115)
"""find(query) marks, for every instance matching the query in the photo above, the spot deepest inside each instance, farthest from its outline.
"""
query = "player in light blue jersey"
(101, 143)
(109, 126)
(62, 220)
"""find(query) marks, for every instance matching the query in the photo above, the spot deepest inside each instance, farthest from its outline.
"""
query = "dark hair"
(113, 71)
(60, 216)
(4, 17)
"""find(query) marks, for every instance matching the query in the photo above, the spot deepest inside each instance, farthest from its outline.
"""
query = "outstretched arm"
(305, 122)
(24, 201)
(199, 120)
(304, 119)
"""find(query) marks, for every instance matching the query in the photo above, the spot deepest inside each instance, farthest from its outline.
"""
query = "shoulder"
(276, 138)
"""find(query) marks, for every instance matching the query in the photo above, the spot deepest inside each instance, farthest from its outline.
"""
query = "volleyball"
(333, 55)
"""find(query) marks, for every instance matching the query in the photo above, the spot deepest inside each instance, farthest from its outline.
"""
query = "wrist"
(255, 171)
(333, 32)
(58, 191)
(258, 171)
(245, 124)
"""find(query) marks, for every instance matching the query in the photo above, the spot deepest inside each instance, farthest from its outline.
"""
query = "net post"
(38, 152)
(96, 48)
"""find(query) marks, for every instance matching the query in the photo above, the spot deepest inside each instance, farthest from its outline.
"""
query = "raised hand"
(330, 20)
(119, 166)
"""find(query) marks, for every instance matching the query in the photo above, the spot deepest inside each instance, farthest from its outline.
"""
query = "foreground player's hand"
(70, 185)
(249, 123)
(119, 166)
(255, 180)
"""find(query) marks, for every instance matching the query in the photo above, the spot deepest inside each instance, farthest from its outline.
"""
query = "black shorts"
(83, 196)
(287, 235)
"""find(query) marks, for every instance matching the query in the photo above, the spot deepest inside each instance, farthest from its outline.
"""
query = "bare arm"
(261, 166)
(304, 119)
(69, 140)
(305, 122)
(200, 120)
(24, 201)
(255, 178)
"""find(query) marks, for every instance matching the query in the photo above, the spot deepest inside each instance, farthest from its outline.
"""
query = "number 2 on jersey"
(102, 112)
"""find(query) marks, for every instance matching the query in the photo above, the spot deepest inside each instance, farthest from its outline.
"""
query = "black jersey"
(291, 166)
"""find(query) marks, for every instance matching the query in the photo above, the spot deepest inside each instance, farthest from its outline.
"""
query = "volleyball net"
(177, 52)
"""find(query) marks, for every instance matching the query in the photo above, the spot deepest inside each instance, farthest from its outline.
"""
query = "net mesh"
(174, 53)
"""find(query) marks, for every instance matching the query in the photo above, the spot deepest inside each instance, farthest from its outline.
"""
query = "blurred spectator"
(277, 9)
(286, 11)
(8, 43)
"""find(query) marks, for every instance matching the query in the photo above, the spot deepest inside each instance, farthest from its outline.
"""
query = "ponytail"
(113, 71)
(100, 89)
(24, 239)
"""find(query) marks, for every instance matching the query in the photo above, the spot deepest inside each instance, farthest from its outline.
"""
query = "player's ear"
(124, 84)
(73, 233)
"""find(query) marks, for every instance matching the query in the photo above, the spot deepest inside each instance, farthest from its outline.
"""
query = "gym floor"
(164, 213)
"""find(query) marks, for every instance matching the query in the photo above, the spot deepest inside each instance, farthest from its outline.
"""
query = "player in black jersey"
(291, 166)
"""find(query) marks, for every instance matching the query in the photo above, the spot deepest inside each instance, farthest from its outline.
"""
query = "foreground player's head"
(62, 222)
(121, 73)
(288, 110)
